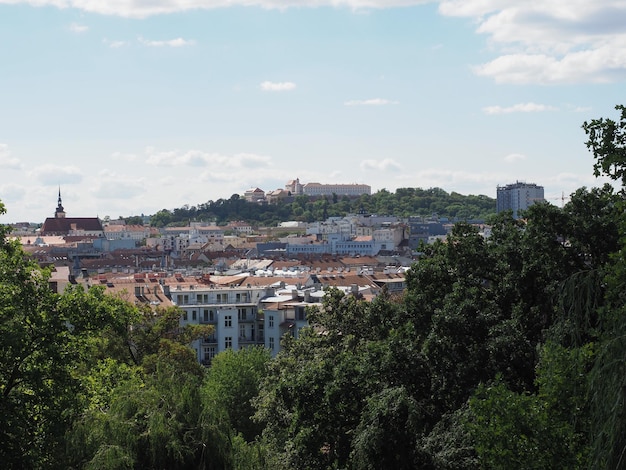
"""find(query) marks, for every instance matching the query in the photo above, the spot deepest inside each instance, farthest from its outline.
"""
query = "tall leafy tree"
(327, 395)
(47, 341)
(607, 142)
(232, 383)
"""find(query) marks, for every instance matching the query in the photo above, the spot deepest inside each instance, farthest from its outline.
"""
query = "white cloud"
(11, 193)
(370, 102)
(114, 44)
(514, 157)
(277, 86)
(563, 41)
(111, 185)
(54, 174)
(7, 161)
(143, 9)
(178, 42)
(601, 65)
(553, 41)
(127, 157)
(197, 158)
(385, 164)
(78, 28)
(220, 177)
(518, 108)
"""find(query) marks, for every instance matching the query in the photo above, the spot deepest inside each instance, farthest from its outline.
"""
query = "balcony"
(257, 339)
(247, 318)
(211, 339)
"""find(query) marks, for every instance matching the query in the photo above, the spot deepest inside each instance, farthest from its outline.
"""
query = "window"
(222, 298)
(228, 341)
(185, 316)
(270, 321)
(242, 331)
(271, 343)
(228, 321)
(194, 315)
(245, 297)
(205, 315)
(209, 353)
(300, 313)
(242, 313)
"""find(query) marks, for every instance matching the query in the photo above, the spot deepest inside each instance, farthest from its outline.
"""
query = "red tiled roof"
(64, 225)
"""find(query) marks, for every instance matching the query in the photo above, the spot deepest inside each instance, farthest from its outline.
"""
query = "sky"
(129, 107)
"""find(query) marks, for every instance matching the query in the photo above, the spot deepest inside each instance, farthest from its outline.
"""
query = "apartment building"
(518, 197)
(233, 311)
(286, 313)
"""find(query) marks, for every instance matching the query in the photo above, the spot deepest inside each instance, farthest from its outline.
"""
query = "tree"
(47, 341)
(232, 382)
(607, 142)
(388, 433)
(543, 430)
(148, 421)
(144, 414)
(355, 359)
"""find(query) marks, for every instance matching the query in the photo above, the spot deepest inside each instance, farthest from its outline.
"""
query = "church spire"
(60, 212)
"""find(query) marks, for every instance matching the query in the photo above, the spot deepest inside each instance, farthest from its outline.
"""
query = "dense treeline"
(506, 352)
(404, 202)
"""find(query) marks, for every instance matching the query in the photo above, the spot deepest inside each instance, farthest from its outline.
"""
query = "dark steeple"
(60, 212)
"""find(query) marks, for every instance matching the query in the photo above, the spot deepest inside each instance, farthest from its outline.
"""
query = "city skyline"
(133, 107)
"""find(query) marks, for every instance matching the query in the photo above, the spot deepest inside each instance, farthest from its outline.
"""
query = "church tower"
(60, 212)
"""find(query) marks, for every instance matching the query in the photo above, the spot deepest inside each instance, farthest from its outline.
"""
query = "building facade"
(318, 189)
(233, 312)
(518, 197)
(60, 225)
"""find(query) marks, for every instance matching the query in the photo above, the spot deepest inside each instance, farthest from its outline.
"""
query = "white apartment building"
(390, 236)
(125, 232)
(177, 239)
(518, 197)
(246, 316)
(233, 311)
(332, 225)
(286, 313)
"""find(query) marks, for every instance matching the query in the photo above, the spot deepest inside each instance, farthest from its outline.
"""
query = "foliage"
(144, 415)
(232, 382)
(404, 202)
(36, 356)
(607, 141)
(504, 352)
(47, 343)
(543, 430)
(353, 374)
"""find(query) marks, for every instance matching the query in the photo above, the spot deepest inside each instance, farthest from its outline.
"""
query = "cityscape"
(312, 234)
(286, 267)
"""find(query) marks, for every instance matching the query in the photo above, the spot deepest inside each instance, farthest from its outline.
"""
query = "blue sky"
(131, 107)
